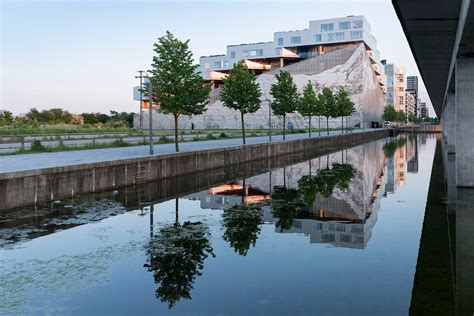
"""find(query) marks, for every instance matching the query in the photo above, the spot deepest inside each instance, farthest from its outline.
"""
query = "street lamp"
(269, 120)
(150, 112)
(140, 76)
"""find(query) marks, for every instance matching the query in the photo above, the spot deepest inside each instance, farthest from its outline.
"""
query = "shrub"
(223, 135)
(37, 146)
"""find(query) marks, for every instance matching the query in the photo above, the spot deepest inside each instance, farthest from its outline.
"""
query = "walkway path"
(66, 158)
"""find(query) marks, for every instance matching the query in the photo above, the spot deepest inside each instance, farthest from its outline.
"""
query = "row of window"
(338, 36)
(346, 25)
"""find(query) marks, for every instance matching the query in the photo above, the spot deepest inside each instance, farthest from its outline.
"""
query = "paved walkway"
(67, 158)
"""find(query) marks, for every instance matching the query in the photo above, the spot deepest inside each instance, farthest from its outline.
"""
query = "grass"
(37, 147)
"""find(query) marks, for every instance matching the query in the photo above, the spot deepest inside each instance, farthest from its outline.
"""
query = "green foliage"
(389, 113)
(344, 105)
(36, 146)
(308, 105)
(242, 226)
(285, 203)
(411, 117)
(241, 92)
(308, 187)
(177, 85)
(6, 118)
(285, 95)
(328, 105)
(176, 256)
(400, 116)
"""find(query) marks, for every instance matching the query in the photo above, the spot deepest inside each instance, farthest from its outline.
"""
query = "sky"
(83, 55)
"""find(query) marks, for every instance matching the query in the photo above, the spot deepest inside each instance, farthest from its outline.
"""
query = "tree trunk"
(176, 132)
(319, 125)
(342, 124)
(327, 124)
(284, 126)
(176, 221)
(310, 126)
(243, 126)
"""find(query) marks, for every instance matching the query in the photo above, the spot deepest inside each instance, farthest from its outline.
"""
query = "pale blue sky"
(82, 55)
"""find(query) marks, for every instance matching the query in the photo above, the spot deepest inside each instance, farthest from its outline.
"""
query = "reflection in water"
(242, 226)
(333, 200)
(176, 256)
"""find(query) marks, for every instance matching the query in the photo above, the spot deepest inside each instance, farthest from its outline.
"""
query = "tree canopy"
(285, 95)
(241, 92)
(177, 85)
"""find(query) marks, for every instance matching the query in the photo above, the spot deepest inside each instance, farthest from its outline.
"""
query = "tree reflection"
(344, 174)
(390, 148)
(176, 256)
(242, 226)
(285, 203)
(308, 187)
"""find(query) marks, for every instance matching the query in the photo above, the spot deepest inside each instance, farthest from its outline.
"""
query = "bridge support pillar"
(464, 127)
(451, 122)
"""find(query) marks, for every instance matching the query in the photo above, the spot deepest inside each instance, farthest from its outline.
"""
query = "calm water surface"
(335, 235)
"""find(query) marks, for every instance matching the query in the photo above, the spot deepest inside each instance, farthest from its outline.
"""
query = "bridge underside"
(441, 37)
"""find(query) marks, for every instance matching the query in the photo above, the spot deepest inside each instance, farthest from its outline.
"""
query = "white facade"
(299, 44)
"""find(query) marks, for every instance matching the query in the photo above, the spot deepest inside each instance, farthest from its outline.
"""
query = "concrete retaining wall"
(30, 187)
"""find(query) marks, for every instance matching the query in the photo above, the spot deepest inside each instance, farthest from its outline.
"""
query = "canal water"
(333, 235)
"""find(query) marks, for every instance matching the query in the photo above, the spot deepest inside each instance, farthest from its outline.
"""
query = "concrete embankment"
(36, 186)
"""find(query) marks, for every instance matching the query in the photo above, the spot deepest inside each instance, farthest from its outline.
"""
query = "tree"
(242, 226)
(411, 118)
(285, 95)
(328, 103)
(177, 85)
(389, 114)
(400, 116)
(240, 92)
(344, 106)
(308, 105)
(6, 118)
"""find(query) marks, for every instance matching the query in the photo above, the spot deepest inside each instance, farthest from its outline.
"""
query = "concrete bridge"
(441, 37)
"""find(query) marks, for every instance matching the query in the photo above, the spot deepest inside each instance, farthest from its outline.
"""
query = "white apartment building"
(292, 46)
(391, 80)
(399, 89)
(410, 103)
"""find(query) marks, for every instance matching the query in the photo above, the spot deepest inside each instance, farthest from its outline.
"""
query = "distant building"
(412, 85)
(400, 89)
(288, 47)
(391, 80)
(423, 110)
(410, 102)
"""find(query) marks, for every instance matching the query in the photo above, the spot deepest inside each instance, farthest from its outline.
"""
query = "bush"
(164, 140)
(37, 146)
(211, 137)
(223, 135)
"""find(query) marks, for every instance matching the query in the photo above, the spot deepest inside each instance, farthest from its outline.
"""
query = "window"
(297, 224)
(207, 65)
(331, 37)
(356, 34)
(344, 25)
(339, 36)
(232, 54)
(253, 53)
(329, 238)
(218, 64)
(319, 226)
(296, 40)
(317, 38)
(327, 27)
(357, 24)
(280, 41)
(278, 51)
(345, 238)
(226, 63)
(400, 88)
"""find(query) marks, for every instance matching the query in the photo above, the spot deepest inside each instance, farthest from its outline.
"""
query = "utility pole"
(140, 76)
(150, 113)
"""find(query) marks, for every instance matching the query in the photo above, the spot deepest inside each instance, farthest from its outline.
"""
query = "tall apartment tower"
(391, 82)
(412, 86)
(400, 89)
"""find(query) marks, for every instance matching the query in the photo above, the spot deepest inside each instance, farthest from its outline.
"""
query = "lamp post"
(269, 120)
(150, 113)
(140, 76)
